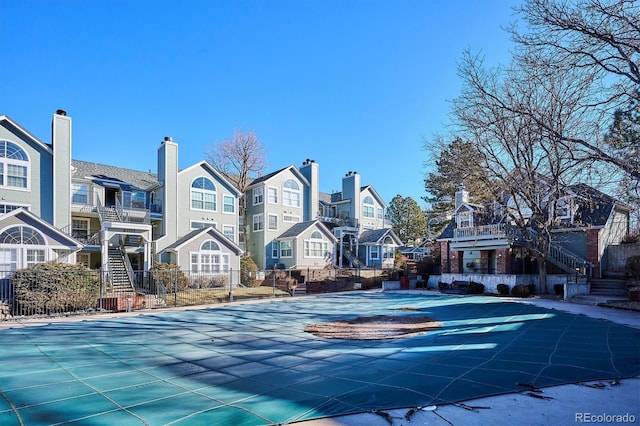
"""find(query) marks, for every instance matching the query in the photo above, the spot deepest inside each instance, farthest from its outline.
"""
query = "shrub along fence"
(47, 292)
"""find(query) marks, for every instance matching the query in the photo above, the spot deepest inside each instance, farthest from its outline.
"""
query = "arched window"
(14, 166)
(367, 207)
(209, 260)
(33, 248)
(291, 193)
(22, 235)
(203, 194)
(315, 246)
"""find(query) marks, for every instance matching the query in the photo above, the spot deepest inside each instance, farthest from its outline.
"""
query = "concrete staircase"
(301, 289)
(613, 288)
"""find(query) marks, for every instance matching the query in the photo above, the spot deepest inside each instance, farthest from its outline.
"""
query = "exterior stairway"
(353, 260)
(609, 287)
(110, 214)
(120, 281)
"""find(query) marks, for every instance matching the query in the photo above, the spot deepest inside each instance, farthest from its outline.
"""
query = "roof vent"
(168, 139)
(61, 112)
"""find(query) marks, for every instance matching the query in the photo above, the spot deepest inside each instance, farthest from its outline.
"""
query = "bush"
(170, 276)
(632, 266)
(520, 291)
(532, 288)
(476, 288)
(503, 289)
(54, 287)
(558, 289)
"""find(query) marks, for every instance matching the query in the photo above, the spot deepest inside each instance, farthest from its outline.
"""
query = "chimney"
(61, 142)
(311, 171)
(462, 196)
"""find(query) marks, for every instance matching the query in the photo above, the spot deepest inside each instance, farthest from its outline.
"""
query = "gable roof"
(71, 242)
(232, 187)
(375, 236)
(265, 178)
(101, 172)
(213, 232)
(596, 207)
(6, 119)
(297, 229)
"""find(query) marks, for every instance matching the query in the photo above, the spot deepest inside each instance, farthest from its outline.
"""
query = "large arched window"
(315, 246)
(209, 259)
(291, 193)
(203, 194)
(367, 207)
(14, 166)
(21, 247)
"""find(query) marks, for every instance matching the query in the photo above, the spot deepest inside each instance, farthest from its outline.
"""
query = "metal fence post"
(230, 285)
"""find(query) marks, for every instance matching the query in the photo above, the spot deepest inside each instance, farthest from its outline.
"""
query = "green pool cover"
(253, 363)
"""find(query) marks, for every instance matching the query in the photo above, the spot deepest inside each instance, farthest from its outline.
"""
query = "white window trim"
(257, 194)
(255, 221)
(233, 229)
(206, 223)
(269, 216)
(277, 195)
(287, 215)
(203, 192)
(280, 247)
(224, 196)
(372, 250)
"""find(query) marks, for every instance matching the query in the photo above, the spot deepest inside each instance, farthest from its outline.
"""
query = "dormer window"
(464, 219)
(563, 208)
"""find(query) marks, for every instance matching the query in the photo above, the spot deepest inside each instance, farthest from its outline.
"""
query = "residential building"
(291, 224)
(111, 218)
(483, 244)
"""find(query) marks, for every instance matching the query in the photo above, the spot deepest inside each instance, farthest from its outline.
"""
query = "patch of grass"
(206, 296)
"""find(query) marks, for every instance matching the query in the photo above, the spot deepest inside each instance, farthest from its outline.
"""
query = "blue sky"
(353, 85)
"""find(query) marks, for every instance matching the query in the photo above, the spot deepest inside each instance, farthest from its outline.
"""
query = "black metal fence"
(32, 292)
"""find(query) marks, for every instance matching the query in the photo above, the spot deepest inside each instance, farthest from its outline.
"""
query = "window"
(229, 232)
(80, 229)
(34, 256)
(315, 246)
(290, 218)
(229, 204)
(201, 225)
(203, 194)
(274, 250)
(563, 208)
(380, 213)
(258, 222)
(367, 207)
(291, 193)
(272, 195)
(258, 195)
(134, 199)
(209, 260)
(80, 193)
(83, 259)
(273, 222)
(8, 261)
(14, 166)
(464, 219)
(6, 208)
(286, 248)
(15, 258)
(374, 253)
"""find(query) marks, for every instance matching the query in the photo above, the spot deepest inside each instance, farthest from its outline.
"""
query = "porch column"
(454, 257)
(503, 261)
(147, 256)
(444, 256)
(593, 251)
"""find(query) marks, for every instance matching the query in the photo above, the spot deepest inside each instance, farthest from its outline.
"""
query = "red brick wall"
(593, 250)
(484, 261)
(455, 261)
(444, 255)
(503, 261)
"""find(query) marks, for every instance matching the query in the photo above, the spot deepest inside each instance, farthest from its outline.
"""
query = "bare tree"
(601, 40)
(240, 159)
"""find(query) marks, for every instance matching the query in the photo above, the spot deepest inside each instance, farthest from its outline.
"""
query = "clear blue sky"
(354, 85)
